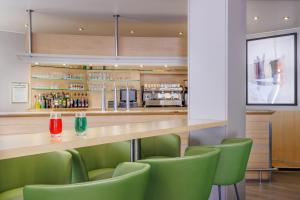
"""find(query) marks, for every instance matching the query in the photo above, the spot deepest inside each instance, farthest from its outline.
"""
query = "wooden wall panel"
(286, 139)
(257, 128)
(72, 44)
(150, 46)
(104, 45)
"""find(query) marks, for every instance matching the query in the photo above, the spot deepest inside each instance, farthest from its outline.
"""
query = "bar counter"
(16, 145)
(37, 121)
(98, 112)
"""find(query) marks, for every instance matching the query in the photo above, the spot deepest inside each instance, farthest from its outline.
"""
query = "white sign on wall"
(19, 92)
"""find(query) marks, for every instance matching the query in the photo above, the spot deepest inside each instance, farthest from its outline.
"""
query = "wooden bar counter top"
(16, 145)
(98, 112)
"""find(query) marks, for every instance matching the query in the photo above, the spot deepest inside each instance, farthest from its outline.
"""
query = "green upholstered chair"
(160, 146)
(129, 181)
(233, 161)
(188, 178)
(49, 168)
(98, 162)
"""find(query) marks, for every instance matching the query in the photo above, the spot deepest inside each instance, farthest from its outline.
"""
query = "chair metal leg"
(236, 192)
(219, 189)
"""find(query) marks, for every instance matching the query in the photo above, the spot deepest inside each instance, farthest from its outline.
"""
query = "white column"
(217, 76)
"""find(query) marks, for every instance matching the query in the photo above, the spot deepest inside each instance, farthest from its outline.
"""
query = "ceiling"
(271, 14)
(145, 17)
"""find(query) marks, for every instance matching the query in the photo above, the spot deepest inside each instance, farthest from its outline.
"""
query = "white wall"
(279, 32)
(216, 58)
(217, 81)
(207, 59)
(11, 69)
(236, 57)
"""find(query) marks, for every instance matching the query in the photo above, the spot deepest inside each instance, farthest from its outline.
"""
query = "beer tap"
(103, 98)
(115, 98)
(127, 97)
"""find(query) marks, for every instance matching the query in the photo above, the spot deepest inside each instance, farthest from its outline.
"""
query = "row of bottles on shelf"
(61, 100)
(58, 75)
(78, 87)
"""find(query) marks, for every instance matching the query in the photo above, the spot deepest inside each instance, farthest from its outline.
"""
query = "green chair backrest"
(233, 160)
(129, 182)
(188, 177)
(48, 168)
(105, 155)
(164, 145)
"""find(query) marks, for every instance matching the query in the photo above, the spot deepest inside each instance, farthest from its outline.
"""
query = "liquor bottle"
(71, 102)
(67, 100)
(78, 101)
(42, 101)
(37, 102)
(64, 100)
(75, 101)
(46, 101)
(82, 101)
(86, 101)
(56, 100)
(52, 100)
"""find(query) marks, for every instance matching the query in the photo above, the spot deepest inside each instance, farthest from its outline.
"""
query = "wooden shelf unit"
(57, 78)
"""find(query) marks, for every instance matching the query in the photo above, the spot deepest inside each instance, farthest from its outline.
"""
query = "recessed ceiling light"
(80, 29)
(131, 32)
(256, 18)
(180, 33)
(141, 66)
(116, 65)
(286, 18)
(26, 25)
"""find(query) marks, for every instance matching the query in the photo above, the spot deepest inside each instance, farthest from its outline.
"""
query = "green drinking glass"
(80, 123)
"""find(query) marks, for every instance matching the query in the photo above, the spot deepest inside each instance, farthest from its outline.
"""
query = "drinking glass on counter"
(80, 123)
(55, 124)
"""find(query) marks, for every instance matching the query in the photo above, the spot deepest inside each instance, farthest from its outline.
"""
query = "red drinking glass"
(55, 124)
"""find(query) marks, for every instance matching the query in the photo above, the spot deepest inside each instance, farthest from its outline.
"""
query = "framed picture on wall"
(272, 70)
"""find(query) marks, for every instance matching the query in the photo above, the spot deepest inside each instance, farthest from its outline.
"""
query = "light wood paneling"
(257, 128)
(286, 138)
(104, 45)
(150, 46)
(72, 44)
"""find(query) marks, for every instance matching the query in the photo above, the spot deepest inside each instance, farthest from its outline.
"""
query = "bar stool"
(129, 181)
(98, 162)
(188, 177)
(163, 146)
(49, 168)
(233, 162)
